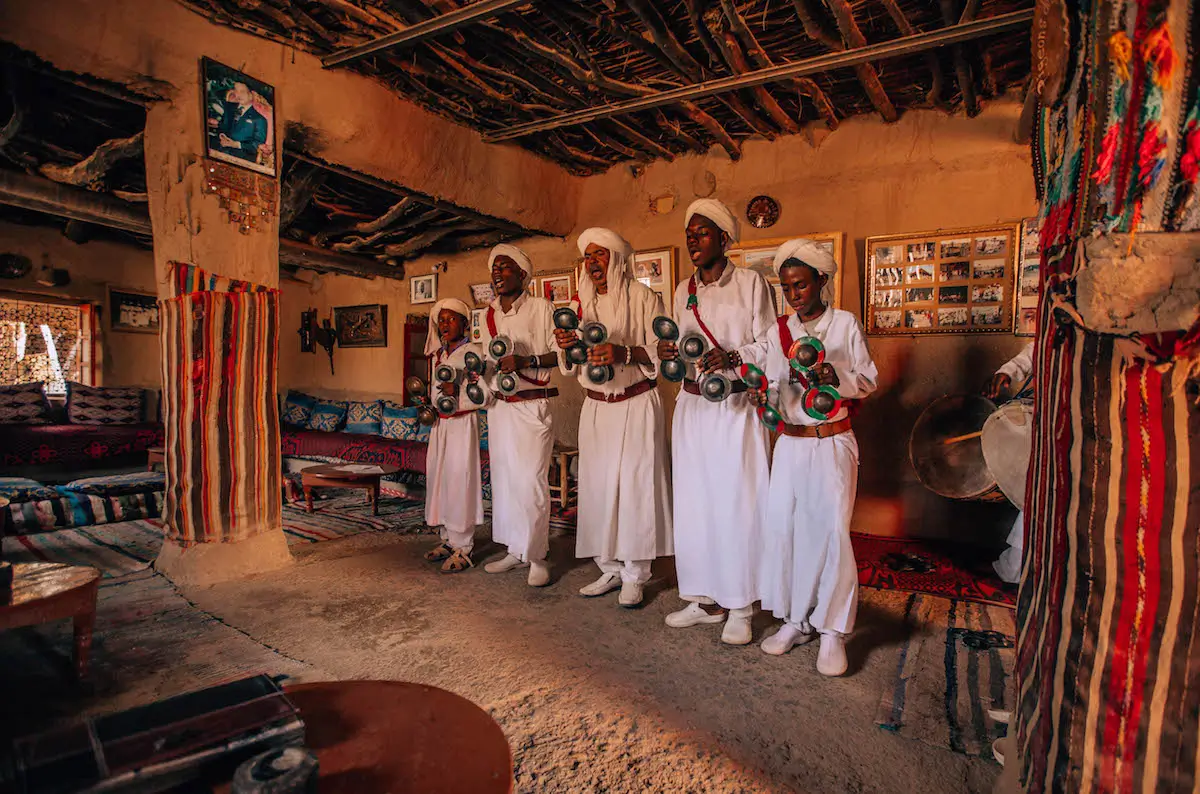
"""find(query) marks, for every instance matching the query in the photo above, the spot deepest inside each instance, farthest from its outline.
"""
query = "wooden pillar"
(223, 475)
(1108, 662)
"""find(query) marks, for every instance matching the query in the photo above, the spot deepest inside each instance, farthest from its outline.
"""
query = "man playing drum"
(1017, 370)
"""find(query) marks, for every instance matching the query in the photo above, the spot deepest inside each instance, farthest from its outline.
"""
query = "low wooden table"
(393, 736)
(335, 475)
(156, 456)
(46, 591)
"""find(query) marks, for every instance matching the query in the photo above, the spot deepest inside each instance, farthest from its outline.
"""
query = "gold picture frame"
(554, 281)
(941, 282)
(658, 269)
(760, 255)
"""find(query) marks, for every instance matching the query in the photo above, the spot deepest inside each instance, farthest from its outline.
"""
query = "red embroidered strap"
(491, 324)
(694, 304)
(785, 335)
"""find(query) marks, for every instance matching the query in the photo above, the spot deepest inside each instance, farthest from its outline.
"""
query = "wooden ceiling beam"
(852, 38)
(935, 97)
(738, 65)
(91, 169)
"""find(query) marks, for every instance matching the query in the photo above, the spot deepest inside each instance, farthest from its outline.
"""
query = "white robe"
(1008, 566)
(521, 435)
(624, 484)
(807, 570)
(453, 487)
(719, 451)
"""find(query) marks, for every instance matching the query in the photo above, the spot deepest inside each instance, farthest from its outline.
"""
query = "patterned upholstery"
(95, 405)
(297, 408)
(483, 430)
(328, 415)
(23, 489)
(119, 484)
(406, 455)
(24, 404)
(75, 446)
(69, 509)
(400, 423)
(364, 417)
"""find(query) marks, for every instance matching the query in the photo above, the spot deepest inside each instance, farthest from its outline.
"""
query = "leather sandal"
(457, 562)
(439, 552)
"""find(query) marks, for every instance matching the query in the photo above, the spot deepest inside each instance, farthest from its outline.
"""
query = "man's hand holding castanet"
(825, 375)
(450, 388)
(512, 363)
(667, 351)
(565, 339)
(608, 354)
(714, 360)
(758, 397)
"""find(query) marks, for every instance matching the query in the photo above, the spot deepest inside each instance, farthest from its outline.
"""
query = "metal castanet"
(418, 392)
(819, 402)
(756, 380)
(476, 366)
(567, 320)
(956, 470)
(671, 369)
(501, 347)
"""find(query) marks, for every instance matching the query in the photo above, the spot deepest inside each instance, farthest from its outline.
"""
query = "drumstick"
(963, 437)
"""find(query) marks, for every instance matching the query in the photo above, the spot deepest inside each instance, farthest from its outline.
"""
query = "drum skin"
(957, 470)
(1006, 442)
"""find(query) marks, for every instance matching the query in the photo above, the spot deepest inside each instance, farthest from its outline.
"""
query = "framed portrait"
(760, 255)
(132, 311)
(239, 118)
(556, 288)
(1029, 259)
(423, 289)
(947, 281)
(657, 268)
(478, 318)
(483, 294)
(361, 326)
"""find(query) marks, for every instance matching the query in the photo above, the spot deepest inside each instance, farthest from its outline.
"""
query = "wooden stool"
(156, 456)
(562, 492)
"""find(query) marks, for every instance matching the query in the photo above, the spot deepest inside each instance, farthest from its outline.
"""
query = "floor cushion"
(118, 484)
(23, 489)
(364, 417)
(328, 415)
(98, 405)
(297, 408)
(400, 423)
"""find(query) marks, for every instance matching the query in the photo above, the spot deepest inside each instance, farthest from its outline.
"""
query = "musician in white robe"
(808, 575)
(520, 430)
(1017, 370)
(453, 486)
(718, 449)
(624, 492)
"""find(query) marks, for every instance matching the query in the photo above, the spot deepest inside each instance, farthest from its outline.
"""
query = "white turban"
(813, 254)
(716, 212)
(620, 266)
(516, 255)
(432, 340)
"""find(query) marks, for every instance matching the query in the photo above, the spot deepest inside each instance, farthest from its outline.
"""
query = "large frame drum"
(1006, 442)
(946, 450)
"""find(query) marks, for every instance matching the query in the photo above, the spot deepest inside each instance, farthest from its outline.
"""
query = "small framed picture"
(918, 294)
(992, 245)
(919, 252)
(986, 316)
(1027, 321)
(239, 118)
(987, 293)
(955, 271)
(423, 289)
(361, 326)
(954, 318)
(952, 294)
(657, 268)
(918, 273)
(988, 268)
(557, 289)
(483, 294)
(889, 298)
(888, 319)
(888, 255)
(890, 276)
(759, 256)
(956, 249)
(478, 318)
(133, 311)
(918, 318)
(1028, 278)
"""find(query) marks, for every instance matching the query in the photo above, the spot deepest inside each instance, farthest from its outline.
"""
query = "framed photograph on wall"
(483, 294)
(132, 311)
(1028, 274)
(361, 326)
(423, 289)
(239, 118)
(557, 289)
(947, 281)
(760, 255)
(658, 268)
(478, 318)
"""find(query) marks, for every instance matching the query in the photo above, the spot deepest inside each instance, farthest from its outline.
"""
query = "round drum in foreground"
(1006, 443)
(946, 452)
(393, 736)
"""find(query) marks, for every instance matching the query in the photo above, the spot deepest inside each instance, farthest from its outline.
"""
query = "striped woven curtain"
(220, 364)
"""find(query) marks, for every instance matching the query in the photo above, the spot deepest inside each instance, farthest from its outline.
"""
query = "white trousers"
(636, 571)
(624, 485)
(807, 569)
(1008, 566)
(520, 440)
(720, 476)
(453, 487)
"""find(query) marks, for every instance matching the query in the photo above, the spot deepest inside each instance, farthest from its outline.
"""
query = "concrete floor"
(591, 696)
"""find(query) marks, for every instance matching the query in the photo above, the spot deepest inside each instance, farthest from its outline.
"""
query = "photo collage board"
(760, 255)
(1028, 266)
(956, 281)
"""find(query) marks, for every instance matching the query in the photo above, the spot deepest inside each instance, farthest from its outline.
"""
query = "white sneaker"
(539, 573)
(505, 564)
(605, 584)
(631, 594)
(691, 615)
(831, 660)
(787, 637)
(737, 627)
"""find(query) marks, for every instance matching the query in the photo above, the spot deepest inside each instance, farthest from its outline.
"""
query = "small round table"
(343, 475)
(392, 736)
(46, 591)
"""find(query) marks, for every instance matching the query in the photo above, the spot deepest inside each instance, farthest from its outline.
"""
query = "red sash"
(491, 324)
(694, 305)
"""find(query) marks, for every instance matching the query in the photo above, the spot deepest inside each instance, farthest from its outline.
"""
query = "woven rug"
(956, 664)
(925, 566)
(128, 546)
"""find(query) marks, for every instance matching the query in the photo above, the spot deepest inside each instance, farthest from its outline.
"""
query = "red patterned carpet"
(925, 566)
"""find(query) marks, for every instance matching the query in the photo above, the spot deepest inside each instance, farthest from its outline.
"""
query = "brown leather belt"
(738, 386)
(816, 431)
(620, 397)
(530, 394)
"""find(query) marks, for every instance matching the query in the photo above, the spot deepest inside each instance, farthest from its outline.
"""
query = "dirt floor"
(592, 697)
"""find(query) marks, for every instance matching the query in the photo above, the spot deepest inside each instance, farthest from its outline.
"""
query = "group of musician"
(743, 529)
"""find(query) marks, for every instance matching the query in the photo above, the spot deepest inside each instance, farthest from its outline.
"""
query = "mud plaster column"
(190, 227)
